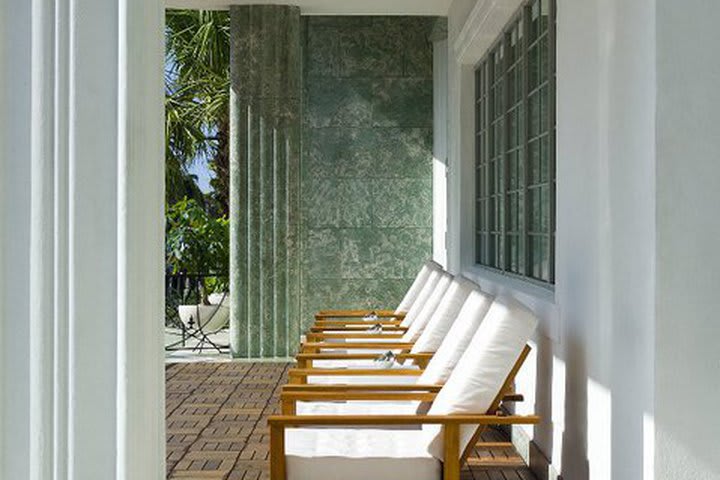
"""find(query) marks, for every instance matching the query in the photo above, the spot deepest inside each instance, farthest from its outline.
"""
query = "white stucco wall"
(591, 375)
(687, 392)
(440, 149)
(14, 238)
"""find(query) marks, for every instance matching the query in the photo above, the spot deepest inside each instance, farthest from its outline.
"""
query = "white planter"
(216, 298)
(211, 317)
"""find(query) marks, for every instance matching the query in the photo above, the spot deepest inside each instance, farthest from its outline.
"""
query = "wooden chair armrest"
(356, 323)
(299, 375)
(289, 399)
(377, 420)
(352, 328)
(361, 388)
(315, 347)
(358, 313)
(360, 356)
(353, 335)
(370, 372)
(305, 360)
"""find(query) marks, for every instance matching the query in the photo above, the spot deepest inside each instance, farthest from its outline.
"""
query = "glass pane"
(535, 209)
(543, 110)
(511, 242)
(539, 253)
(544, 207)
(534, 112)
(533, 67)
(512, 180)
(534, 162)
(544, 167)
(543, 60)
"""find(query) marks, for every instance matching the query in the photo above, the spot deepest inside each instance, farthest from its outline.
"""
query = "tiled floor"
(216, 425)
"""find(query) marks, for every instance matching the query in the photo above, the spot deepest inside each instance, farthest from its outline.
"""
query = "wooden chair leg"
(277, 452)
(288, 407)
(451, 443)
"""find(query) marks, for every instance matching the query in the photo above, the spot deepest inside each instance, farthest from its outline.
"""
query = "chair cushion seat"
(359, 454)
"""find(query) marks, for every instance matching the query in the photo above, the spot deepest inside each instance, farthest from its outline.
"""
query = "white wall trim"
(484, 24)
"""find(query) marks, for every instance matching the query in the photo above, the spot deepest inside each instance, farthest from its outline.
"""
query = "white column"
(141, 214)
(81, 239)
(440, 142)
(14, 237)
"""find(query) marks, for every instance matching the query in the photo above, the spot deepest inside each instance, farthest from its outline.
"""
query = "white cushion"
(359, 454)
(457, 339)
(422, 297)
(483, 368)
(445, 314)
(417, 285)
(426, 314)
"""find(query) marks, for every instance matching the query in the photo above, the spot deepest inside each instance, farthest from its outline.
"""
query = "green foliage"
(197, 243)
(197, 94)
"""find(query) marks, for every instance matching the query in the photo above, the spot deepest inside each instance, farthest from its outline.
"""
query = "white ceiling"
(332, 7)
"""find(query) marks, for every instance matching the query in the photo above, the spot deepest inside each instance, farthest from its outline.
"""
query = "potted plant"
(198, 244)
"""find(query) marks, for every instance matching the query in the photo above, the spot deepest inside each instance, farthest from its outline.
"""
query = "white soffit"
(331, 7)
(482, 27)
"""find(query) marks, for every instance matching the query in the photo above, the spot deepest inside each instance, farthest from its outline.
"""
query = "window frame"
(493, 227)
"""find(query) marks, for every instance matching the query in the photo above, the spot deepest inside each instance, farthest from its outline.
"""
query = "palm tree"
(197, 93)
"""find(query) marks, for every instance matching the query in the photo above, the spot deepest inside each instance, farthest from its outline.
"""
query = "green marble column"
(265, 71)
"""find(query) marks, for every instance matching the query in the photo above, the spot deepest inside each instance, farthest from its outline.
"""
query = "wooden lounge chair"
(412, 324)
(410, 305)
(447, 360)
(426, 333)
(449, 341)
(347, 447)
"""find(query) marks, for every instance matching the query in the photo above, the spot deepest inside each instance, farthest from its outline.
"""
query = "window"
(515, 147)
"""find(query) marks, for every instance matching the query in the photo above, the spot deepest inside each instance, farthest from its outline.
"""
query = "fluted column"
(265, 66)
(81, 240)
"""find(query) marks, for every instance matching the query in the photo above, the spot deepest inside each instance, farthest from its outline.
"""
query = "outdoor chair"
(349, 318)
(429, 328)
(358, 447)
(409, 329)
(425, 335)
(462, 328)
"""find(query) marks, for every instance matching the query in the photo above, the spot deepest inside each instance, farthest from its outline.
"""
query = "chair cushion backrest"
(426, 314)
(431, 337)
(422, 297)
(417, 285)
(458, 338)
(482, 370)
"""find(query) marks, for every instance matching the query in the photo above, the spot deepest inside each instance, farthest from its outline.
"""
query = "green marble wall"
(366, 177)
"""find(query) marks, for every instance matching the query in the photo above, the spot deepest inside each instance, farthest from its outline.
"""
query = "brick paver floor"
(217, 425)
